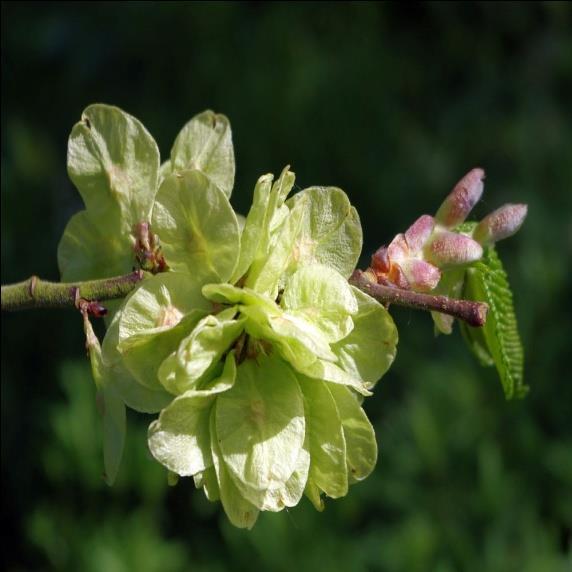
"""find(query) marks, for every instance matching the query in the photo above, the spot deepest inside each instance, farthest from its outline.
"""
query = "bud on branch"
(463, 198)
(430, 247)
(499, 224)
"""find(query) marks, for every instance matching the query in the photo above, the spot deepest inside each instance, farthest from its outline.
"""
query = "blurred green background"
(391, 102)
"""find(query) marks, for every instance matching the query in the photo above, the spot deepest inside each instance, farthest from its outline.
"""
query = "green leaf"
(260, 428)
(200, 351)
(361, 446)
(114, 163)
(180, 438)
(477, 343)
(487, 281)
(112, 408)
(240, 512)
(205, 144)
(197, 227)
(134, 394)
(370, 348)
(323, 296)
(331, 231)
(328, 470)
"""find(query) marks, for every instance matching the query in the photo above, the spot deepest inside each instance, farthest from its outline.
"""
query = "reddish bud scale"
(380, 260)
(385, 269)
(96, 310)
(90, 308)
(397, 277)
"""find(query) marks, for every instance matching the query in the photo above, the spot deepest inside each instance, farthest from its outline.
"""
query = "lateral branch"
(37, 293)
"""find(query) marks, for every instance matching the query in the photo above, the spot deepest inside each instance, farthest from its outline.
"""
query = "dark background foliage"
(391, 102)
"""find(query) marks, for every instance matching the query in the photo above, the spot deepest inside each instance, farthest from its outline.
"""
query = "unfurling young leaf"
(498, 341)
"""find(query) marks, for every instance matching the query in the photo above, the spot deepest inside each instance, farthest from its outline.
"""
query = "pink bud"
(499, 224)
(398, 249)
(420, 275)
(418, 233)
(451, 249)
(462, 199)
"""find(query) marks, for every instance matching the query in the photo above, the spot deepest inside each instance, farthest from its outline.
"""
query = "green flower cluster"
(253, 347)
